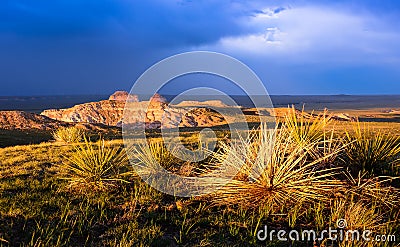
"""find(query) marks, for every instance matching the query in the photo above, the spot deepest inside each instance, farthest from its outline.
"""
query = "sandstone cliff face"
(106, 112)
(167, 117)
(157, 115)
(152, 114)
(19, 120)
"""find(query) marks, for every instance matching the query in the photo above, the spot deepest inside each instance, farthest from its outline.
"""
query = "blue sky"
(296, 47)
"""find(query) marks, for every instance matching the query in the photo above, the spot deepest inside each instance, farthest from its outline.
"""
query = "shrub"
(95, 166)
(371, 152)
(68, 134)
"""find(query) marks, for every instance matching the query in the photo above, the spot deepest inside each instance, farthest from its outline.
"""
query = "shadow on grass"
(26, 137)
(380, 120)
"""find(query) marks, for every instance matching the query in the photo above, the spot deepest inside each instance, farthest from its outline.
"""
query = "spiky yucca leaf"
(304, 129)
(371, 152)
(68, 134)
(278, 172)
(151, 155)
(94, 166)
(329, 150)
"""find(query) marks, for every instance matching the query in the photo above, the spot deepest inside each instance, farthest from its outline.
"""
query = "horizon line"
(76, 95)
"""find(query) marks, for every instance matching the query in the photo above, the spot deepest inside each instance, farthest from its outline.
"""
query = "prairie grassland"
(308, 176)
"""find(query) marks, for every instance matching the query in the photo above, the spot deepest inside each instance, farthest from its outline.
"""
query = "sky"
(62, 47)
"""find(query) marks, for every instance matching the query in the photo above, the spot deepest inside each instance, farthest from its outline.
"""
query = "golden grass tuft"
(68, 134)
(376, 190)
(358, 214)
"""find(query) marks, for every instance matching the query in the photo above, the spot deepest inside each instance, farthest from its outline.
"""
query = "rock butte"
(124, 96)
(156, 113)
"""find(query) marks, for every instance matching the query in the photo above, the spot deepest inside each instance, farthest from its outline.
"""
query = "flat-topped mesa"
(123, 96)
(207, 103)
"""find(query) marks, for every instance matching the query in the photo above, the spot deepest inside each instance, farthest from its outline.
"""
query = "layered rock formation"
(158, 99)
(281, 112)
(161, 115)
(106, 112)
(20, 120)
(153, 114)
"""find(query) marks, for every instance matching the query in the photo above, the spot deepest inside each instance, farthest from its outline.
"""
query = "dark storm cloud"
(151, 22)
(54, 18)
(75, 46)
(97, 46)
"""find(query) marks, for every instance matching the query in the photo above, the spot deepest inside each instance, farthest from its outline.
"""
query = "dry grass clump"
(376, 190)
(68, 134)
(300, 161)
(372, 152)
(276, 172)
(95, 166)
(361, 215)
(358, 214)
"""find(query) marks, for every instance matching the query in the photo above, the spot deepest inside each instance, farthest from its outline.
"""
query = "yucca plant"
(95, 166)
(371, 152)
(279, 172)
(150, 155)
(68, 134)
(303, 128)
